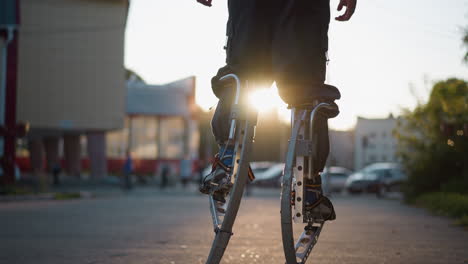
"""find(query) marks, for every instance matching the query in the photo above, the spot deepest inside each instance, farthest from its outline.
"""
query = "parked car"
(389, 181)
(261, 166)
(268, 175)
(334, 179)
(376, 178)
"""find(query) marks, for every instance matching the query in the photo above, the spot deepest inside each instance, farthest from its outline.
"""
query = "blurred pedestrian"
(55, 174)
(185, 171)
(164, 176)
(127, 170)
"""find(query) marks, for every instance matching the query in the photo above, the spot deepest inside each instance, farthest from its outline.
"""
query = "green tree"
(129, 73)
(465, 42)
(433, 141)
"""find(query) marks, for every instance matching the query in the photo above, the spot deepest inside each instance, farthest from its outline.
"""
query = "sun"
(264, 100)
(267, 100)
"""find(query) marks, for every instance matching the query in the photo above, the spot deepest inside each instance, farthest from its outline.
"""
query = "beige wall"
(341, 149)
(71, 72)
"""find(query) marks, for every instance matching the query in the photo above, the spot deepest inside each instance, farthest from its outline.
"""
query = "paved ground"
(150, 226)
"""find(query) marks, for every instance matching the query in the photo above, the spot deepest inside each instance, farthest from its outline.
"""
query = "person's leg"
(323, 144)
(300, 45)
(299, 62)
(220, 121)
(248, 55)
(249, 31)
(300, 48)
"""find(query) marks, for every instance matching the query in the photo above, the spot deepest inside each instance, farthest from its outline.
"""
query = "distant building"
(374, 141)
(160, 125)
(341, 149)
(71, 79)
(73, 93)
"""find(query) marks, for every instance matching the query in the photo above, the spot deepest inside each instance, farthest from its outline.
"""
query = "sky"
(383, 60)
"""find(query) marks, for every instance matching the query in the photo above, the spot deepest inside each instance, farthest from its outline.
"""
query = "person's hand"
(350, 7)
(205, 2)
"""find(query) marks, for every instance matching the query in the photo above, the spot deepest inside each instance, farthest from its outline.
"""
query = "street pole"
(10, 112)
(9, 128)
(8, 34)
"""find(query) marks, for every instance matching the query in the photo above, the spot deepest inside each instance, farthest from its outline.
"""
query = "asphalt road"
(173, 227)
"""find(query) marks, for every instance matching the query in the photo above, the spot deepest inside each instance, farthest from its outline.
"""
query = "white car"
(334, 179)
(375, 177)
(269, 176)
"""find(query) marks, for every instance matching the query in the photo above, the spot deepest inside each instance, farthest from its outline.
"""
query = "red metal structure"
(10, 130)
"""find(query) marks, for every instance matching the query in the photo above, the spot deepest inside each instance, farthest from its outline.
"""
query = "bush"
(448, 204)
(455, 186)
(433, 139)
(15, 190)
(463, 221)
(67, 195)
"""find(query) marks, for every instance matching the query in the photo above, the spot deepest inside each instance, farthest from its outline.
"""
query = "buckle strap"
(315, 204)
(218, 162)
(251, 175)
(313, 185)
(217, 230)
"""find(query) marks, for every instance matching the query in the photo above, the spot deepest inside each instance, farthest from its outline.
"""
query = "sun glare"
(267, 100)
(263, 99)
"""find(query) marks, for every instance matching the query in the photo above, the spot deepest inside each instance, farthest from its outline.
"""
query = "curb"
(45, 197)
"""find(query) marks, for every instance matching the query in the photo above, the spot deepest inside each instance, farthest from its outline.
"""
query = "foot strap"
(218, 162)
(223, 231)
(251, 174)
(319, 200)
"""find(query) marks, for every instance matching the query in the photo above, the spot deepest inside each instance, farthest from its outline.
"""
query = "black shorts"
(280, 40)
